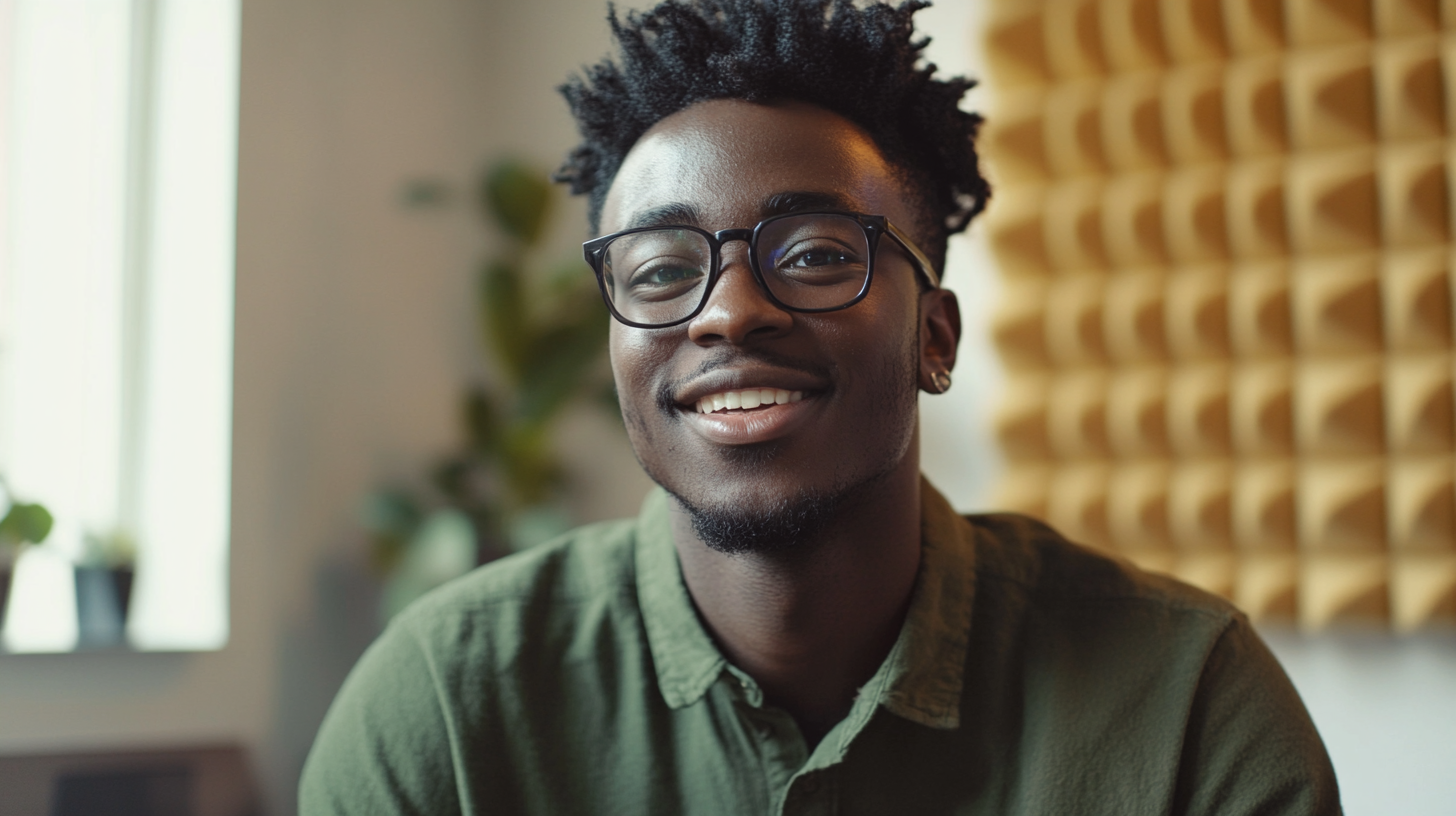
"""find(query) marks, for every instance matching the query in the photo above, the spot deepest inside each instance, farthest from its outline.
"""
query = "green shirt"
(1031, 676)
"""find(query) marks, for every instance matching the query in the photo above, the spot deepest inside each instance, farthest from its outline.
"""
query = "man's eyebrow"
(802, 201)
(667, 215)
(679, 213)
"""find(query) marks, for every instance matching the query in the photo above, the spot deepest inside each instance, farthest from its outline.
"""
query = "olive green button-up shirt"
(1031, 676)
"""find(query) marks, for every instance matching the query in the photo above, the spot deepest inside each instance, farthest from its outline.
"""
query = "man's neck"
(814, 626)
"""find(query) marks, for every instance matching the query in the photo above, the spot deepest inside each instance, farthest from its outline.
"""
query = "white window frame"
(118, 155)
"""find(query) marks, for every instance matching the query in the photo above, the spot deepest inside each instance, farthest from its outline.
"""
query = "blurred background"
(363, 135)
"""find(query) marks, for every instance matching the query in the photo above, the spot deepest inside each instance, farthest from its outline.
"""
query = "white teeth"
(747, 399)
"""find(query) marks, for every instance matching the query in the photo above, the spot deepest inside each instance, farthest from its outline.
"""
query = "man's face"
(729, 164)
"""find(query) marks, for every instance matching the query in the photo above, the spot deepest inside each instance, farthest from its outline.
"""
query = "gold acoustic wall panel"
(1225, 228)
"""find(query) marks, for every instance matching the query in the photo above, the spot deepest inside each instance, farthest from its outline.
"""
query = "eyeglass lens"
(812, 261)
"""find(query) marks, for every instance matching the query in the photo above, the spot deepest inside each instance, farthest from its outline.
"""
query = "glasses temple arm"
(921, 262)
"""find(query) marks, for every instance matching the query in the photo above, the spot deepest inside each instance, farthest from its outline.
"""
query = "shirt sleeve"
(1250, 746)
(384, 745)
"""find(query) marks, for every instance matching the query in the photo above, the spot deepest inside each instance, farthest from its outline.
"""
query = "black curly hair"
(859, 62)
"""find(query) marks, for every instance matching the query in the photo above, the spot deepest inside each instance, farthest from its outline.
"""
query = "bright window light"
(118, 148)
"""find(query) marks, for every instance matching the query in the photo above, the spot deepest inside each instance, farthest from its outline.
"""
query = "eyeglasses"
(654, 277)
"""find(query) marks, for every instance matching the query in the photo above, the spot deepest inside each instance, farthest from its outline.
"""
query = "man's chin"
(781, 525)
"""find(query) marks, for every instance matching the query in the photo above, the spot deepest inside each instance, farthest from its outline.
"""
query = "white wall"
(1386, 708)
(354, 333)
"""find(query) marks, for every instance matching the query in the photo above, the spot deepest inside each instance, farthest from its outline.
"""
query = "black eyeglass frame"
(874, 227)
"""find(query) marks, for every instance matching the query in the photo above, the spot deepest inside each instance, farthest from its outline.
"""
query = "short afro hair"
(862, 63)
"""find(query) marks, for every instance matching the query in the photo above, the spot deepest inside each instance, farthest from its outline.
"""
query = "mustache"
(732, 358)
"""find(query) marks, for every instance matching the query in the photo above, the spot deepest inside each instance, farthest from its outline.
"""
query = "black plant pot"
(103, 600)
(122, 579)
(6, 573)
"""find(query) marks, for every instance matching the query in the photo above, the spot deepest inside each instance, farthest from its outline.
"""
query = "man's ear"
(940, 332)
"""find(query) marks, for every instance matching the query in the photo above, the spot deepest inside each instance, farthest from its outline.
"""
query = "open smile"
(744, 405)
(753, 419)
(747, 399)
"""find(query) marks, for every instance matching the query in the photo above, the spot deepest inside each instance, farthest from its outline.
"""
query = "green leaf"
(530, 464)
(445, 547)
(518, 197)
(113, 549)
(503, 313)
(559, 360)
(482, 421)
(452, 477)
(574, 282)
(26, 523)
(390, 513)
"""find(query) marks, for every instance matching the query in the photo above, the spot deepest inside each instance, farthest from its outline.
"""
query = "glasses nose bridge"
(721, 239)
(727, 236)
(724, 237)
(738, 234)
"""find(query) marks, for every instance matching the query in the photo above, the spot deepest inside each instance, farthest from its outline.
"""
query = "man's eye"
(819, 263)
(663, 281)
(664, 275)
(820, 257)
(815, 255)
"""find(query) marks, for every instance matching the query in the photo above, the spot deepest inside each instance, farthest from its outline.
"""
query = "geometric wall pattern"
(1224, 229)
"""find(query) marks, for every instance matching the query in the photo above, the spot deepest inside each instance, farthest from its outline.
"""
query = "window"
(118, 144)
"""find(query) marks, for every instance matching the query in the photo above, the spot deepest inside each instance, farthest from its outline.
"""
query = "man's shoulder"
(1030, 558)
(1115, 667)
(501, 648)
(539, 592)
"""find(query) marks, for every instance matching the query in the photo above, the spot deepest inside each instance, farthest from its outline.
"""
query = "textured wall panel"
(1225, 227)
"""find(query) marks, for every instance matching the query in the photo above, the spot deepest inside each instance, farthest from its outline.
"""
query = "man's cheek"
(637, 430)
(633, 375)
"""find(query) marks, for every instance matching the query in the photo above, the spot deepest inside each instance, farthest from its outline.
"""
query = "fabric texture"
(1031, 676)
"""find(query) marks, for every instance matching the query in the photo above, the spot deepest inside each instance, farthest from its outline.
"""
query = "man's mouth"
(746, 399)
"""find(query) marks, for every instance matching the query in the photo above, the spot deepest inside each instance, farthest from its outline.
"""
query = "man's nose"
(738, 310)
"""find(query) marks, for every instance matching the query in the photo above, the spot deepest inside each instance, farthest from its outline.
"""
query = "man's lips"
(747, 399)
(744, 405)
(741, 380)
(764, 423)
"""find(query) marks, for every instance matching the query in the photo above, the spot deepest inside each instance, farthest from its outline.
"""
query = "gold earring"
(940, 381)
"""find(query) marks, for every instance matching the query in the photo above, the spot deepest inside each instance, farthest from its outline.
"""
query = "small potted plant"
(22, 525)
(104, 577)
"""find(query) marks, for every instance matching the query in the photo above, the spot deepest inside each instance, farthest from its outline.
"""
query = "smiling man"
(797, 622)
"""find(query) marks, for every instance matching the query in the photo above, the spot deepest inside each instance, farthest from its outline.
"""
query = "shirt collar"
(686, 658)
(925, 670)
(921, 679)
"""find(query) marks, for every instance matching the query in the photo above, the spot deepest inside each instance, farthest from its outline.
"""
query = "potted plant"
(500, 491)
(22, 525)
(104, 574)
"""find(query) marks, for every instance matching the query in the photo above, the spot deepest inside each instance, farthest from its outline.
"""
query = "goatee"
(787, 525)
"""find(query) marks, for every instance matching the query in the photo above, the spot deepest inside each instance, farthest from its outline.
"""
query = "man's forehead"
(778, 203)
(730, 156)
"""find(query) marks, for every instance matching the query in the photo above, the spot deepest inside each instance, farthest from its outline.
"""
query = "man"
(797, 622)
